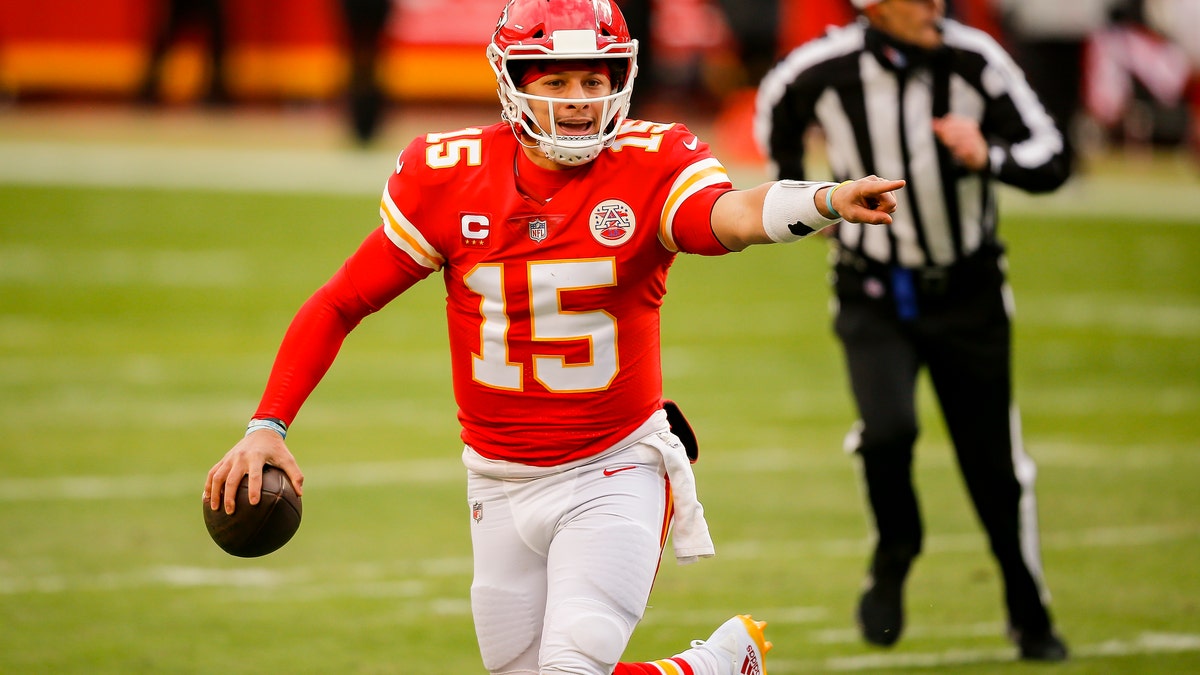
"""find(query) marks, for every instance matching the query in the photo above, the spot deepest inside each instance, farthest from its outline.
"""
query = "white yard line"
(1097, 537)
(250, 169)
(1167, 317)
(1144, 643)
(413, 594)
(355, 172)
(69, 488)
(851, 635)
(406, 585)
(315, 579)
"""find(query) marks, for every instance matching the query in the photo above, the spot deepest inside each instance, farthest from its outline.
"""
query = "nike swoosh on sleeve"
(691, 145)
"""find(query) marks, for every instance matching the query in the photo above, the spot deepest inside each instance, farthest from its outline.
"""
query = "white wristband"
(790, 210)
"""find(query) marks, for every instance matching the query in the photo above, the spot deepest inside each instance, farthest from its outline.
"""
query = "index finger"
(878, 186)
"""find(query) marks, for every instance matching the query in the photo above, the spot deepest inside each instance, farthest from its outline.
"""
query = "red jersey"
(552, 308)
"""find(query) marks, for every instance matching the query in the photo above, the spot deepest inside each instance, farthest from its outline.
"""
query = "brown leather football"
(257, 530)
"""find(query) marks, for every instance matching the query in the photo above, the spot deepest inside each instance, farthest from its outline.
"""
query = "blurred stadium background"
(152, 253)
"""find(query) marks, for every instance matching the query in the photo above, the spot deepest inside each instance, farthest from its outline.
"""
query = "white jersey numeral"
(448, 149)
(549, 322)
(491, 366)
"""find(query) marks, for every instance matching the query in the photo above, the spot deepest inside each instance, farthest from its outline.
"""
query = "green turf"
(137, 327)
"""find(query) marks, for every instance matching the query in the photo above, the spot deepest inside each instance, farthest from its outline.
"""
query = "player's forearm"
(771, 213)
(373, 276)
(308, 350)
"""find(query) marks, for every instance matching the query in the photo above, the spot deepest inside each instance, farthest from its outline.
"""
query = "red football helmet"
(563, 30)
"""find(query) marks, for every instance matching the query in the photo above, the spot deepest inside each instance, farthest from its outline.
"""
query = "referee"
(904, 92)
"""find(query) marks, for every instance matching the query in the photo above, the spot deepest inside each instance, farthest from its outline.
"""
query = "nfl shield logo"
(477, 511)
(537, 229)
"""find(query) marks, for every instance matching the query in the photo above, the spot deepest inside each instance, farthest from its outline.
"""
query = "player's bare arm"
(738, 216)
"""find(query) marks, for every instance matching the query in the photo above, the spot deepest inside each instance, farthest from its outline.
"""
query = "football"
(257, 530)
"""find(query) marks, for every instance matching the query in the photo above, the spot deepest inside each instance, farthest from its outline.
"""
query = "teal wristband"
(271, 423)
(829, 198)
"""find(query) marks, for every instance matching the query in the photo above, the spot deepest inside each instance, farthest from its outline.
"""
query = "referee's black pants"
(961, 333)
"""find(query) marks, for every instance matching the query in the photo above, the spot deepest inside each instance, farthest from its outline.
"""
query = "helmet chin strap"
(570, 156)
(567, 156)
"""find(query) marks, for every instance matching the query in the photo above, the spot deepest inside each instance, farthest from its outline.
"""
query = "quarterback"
(553, 232)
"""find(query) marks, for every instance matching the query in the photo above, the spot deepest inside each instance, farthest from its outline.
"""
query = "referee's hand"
(964, 140)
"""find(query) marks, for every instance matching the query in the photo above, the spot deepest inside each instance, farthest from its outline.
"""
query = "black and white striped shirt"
(875, 100)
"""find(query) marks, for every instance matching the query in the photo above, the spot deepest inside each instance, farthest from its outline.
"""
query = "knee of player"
(592, 638)
(507, 625)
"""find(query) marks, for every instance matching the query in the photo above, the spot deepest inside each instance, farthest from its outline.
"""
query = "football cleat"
(1039, 646)
(740, 643)
(880, 614)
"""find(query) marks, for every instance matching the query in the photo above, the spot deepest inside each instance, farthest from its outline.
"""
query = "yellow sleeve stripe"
(696, 177)
(406, 236)
(668, 667)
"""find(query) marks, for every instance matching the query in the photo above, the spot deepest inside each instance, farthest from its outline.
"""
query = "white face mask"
(564, 149)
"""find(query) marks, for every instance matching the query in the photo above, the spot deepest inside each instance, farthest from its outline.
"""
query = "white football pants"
(565, 557)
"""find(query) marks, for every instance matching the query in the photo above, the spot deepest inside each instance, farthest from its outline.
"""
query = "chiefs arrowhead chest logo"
(612, 222)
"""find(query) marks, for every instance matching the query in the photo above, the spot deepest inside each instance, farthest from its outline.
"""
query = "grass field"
(137, 325)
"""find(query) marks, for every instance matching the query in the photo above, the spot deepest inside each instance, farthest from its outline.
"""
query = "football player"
(553, 232)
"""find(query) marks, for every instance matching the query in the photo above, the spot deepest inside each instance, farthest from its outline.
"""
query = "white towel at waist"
(689, 530)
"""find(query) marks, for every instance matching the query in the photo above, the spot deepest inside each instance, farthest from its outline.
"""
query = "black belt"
(913, 290)
(932, 280)
(928, 279)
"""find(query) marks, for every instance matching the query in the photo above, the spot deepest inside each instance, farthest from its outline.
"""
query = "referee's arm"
(1026, 149)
